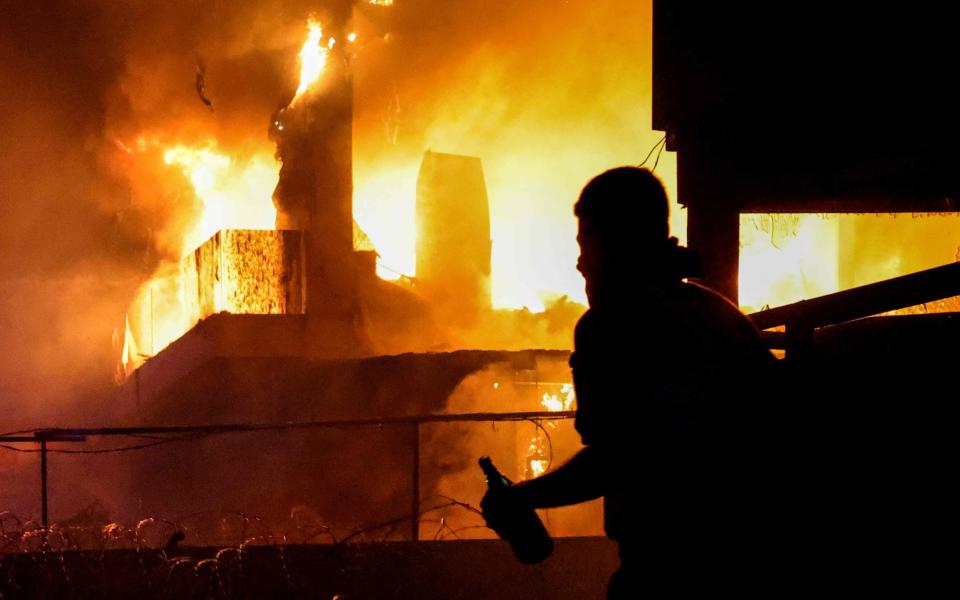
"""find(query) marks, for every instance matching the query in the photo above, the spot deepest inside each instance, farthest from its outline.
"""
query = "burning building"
(781, 121)
(293, 324)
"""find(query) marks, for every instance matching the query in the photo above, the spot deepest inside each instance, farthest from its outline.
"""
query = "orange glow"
(236, 271)
(540, 136)
(537, 461)
(561, 401)
(786, 258)
(235, 194)
(155, 318)
(479, 110)
(129, 355)
(537, 455)
(384, 208)
(313, 58)
(538, 467)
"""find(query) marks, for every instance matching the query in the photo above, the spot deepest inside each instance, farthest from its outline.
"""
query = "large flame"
(535, 109)
(559, 401)
(785, 258)
(234, 193)
(313, 58)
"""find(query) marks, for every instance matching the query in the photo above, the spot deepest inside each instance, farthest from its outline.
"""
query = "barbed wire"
(546, 434)
(252, 529)
(98, 560)
(164, 565)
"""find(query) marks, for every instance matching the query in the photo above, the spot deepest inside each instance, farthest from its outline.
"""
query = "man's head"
(622, 214)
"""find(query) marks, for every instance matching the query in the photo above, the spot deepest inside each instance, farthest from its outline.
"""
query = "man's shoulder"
(717, 313)
(713, 302)
(586, 326)
(697, 290)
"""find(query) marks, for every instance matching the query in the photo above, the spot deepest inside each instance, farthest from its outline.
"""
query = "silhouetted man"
(665, 373)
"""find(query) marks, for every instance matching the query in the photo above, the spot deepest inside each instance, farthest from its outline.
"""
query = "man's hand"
(500, 507)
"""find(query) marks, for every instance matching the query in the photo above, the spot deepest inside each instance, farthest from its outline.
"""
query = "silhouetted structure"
(816, 107)
(453, 233)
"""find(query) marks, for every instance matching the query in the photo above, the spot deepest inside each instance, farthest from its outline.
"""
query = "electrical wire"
(546, 433)
(661, 141)
(659, 152)
(156, 442)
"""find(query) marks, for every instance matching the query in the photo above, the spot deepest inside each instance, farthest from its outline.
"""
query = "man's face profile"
(590, 259)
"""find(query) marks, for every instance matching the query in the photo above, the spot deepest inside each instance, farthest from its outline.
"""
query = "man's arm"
(581, 479)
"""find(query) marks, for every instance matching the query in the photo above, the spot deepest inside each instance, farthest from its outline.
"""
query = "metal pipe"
(867, 300)
(333, 424)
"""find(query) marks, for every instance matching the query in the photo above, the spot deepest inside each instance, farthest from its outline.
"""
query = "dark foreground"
(578, 569)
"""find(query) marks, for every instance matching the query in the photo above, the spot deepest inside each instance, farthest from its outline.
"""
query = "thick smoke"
(452, 449)
(548, 93)
(87, 214)
(83, 219)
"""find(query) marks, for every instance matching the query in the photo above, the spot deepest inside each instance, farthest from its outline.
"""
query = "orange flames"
(786, 258)
(559, 402)
(232, 193)
(235, 193)
(538, 451)
(313, 58)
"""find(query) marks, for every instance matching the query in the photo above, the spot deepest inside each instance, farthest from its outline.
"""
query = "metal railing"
(44, 437)
(800, 319)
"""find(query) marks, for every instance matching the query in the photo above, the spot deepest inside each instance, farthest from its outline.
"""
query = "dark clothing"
(666, 378)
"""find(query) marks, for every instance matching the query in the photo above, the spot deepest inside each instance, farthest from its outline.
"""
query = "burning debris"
(313, 134)
(200, 83)
(539, 455)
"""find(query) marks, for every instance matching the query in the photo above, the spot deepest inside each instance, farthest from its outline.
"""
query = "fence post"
(43, 482)
(415, 499)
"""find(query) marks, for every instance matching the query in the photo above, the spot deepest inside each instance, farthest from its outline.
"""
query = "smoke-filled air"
(131, 132)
